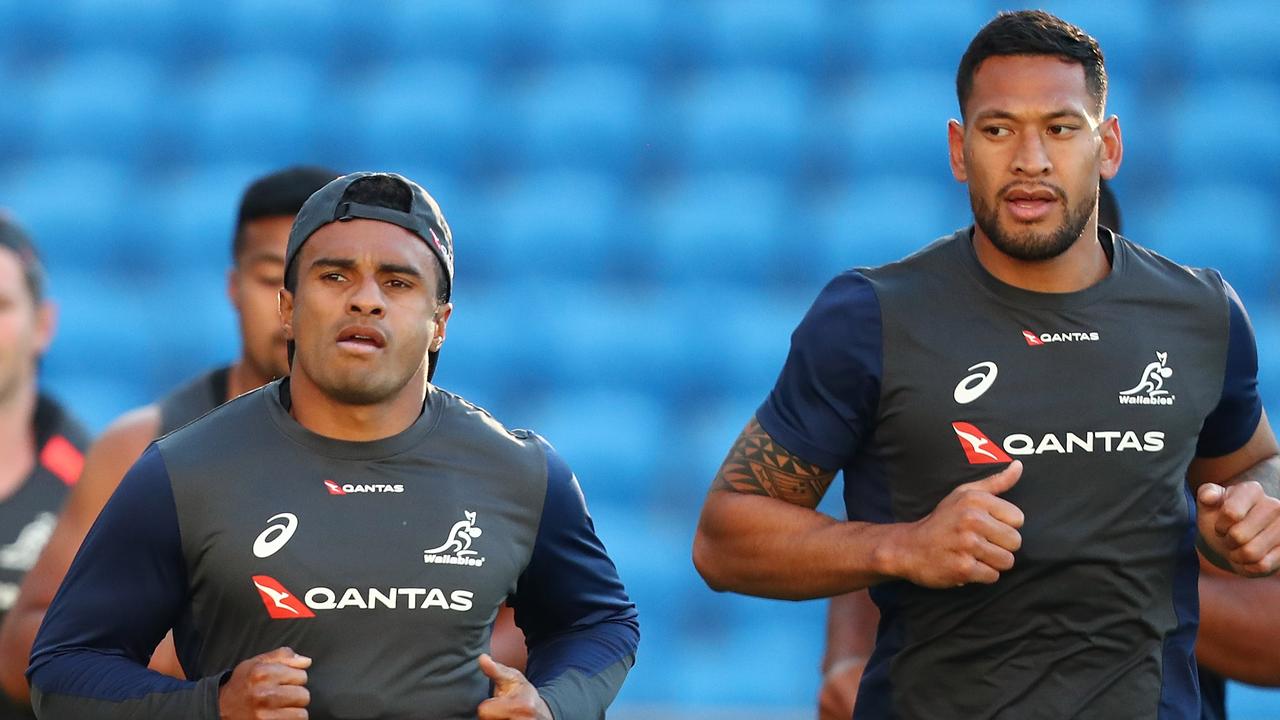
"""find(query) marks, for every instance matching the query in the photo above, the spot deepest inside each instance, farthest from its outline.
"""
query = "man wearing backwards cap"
(336, 544)
(41, 445)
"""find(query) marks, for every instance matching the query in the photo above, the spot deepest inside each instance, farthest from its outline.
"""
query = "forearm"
(1239, 629)
(578, 673)
(16, 636)
(759, 545)
(88, 684)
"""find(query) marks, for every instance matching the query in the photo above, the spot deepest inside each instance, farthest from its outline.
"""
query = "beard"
(1029, 245)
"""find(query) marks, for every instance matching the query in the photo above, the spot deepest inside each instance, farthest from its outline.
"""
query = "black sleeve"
(124, 591)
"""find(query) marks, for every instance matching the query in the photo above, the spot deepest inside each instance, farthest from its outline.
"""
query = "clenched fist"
(270, 686)
(1241, 523)
(970, 537)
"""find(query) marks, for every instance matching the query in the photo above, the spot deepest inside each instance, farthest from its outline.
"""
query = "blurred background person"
(653, 192)
(41, 444)
(253, 283)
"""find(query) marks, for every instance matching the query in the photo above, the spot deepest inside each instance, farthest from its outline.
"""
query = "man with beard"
(1034, 416)
(339, 542)
(266, 211)
(41, 444)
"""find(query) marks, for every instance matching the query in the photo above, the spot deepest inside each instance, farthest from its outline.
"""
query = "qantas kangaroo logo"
(978, 447)
(281, 604)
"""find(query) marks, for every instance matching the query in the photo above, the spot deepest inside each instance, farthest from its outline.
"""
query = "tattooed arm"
(759, 533)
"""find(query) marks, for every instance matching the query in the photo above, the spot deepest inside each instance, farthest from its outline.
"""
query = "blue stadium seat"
(1224, 131)
(744, 120)
(893, 122)
(719, 33)
(887, 37)
(416, 113)
(97, 105)
(298, 27)
(557, 224)
(1228, 226)
(473, 31)
(882, 219)
(141, 26)
(589, 30)
(1129, 31)
(194, 216)
(74, 209)
(580, 116)
(252, 108)
(721, 226)
(1225, 39)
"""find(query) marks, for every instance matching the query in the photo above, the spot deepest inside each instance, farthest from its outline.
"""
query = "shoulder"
(937, 259)
(233, 418)
(190, 401)
(475, 430)
(129, 434)
(1156, 272)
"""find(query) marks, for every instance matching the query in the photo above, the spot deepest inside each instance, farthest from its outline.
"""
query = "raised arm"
(125, 588)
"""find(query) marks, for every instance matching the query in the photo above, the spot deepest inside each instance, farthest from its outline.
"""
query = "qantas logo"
(977, 446)
(982, 450)
(284, 605)
(354, 488)
(281, 604)
(1034, 339)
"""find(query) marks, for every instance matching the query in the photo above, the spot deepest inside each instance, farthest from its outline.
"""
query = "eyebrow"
(1006, 115)
(264, 257)
(349, 264)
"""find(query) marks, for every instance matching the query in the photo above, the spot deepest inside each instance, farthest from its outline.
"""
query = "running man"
(42, 445)
(288, 597)
(266, 212)
(1057, 578)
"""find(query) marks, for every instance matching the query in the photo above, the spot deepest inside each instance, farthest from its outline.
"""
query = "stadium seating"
(645, 195)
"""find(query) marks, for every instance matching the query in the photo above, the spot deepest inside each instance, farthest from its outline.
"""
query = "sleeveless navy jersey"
(384, 561)
(927, 373)
(27, 517)
(190, 401)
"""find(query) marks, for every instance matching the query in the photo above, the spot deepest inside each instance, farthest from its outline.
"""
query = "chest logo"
(982, 376)
(977, 446)
(355, 488)
(456, 550)
(276, 535)
(1035, 340)
(1150, 388)
(281, 604)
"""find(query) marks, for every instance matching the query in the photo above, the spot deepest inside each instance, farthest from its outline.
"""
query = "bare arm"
(851, 633)
(759, 533)
(1238, 505)
(107, 461)
(1239, 627)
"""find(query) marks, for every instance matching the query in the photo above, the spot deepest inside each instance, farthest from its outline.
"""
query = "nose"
(1031, 159)
(367, 298)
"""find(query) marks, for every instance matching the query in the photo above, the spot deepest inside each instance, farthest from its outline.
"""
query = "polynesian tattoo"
(757, 465)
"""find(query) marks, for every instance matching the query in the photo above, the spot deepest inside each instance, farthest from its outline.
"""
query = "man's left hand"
(514, 697)
(1242, 524)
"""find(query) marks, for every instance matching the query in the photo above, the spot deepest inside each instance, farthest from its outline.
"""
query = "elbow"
(708, 564)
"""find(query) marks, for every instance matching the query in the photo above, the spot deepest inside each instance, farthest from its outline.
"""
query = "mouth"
(1030, 203)
(361, 339)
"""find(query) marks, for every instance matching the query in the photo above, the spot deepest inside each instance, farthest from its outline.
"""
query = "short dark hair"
(379, 191)
(1034, 32)
(279, 194)
(16, 240)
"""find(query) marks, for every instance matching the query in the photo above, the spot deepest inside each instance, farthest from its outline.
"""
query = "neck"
(1083, 265)
(242, 377)
(17, 437)
(323, 415)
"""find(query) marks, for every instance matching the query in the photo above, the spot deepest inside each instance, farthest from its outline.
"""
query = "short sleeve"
(1239, 410)
(827, 394)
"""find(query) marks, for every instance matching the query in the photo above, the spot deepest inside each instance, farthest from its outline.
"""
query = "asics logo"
(276, 535)
(975, 384)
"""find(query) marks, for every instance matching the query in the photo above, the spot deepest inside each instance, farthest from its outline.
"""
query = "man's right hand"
(969, 537)
(270, 686)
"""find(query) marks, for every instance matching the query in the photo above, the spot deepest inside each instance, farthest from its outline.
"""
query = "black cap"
(423, 219)
(17, 241)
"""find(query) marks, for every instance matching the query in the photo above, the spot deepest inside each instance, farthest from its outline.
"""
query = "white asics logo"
(973, 385)
(276, 535)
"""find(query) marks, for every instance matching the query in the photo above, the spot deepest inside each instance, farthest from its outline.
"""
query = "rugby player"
(41, 443)
(1238, 630)
(338, 542)
(1037, 420)
(266, 211)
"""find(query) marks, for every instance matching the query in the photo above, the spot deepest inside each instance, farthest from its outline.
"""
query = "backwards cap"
(423, 219)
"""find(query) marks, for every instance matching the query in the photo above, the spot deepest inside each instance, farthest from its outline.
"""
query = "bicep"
(1260, 448)
(758, 465)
